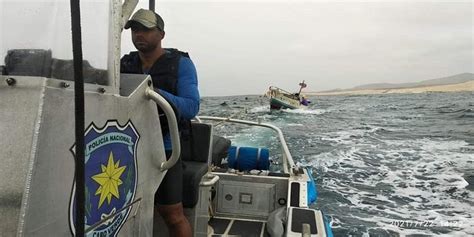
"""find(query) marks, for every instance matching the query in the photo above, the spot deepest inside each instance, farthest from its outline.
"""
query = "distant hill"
(459, 78)
(456, 79)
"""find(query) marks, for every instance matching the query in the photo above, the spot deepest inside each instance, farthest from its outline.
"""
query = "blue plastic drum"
(248, 158)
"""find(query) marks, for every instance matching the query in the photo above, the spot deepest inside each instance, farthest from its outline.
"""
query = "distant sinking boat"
(281, 99)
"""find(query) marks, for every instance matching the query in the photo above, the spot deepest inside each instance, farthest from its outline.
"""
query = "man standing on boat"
(174, 77)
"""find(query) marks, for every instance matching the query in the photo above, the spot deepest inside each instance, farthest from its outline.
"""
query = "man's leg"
(175, 219)
(168, 202)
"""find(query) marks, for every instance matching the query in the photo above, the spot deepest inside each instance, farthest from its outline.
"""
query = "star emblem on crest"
(109, 180)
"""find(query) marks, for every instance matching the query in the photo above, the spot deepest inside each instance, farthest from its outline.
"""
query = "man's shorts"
(171, 188)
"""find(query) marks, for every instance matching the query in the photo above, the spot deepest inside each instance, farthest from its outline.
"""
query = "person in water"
(304, 101)
(175, 78)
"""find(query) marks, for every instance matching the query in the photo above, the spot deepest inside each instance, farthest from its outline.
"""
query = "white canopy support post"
(127, 10)
(115, 32)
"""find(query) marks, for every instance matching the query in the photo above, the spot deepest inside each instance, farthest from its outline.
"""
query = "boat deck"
(237, 227)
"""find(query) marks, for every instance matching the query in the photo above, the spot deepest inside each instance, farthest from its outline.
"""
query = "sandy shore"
(466, 86)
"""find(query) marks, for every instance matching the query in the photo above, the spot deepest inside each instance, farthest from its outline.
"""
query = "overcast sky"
(242, 47)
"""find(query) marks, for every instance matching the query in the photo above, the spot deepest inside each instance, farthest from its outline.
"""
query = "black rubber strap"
(79, 114)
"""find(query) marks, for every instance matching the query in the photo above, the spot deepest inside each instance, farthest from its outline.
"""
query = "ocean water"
(385, 165)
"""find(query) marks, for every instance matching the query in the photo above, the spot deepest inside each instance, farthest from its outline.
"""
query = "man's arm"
(187, 100)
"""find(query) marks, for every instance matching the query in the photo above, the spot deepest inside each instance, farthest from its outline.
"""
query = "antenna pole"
(302, 85)
(151, 5)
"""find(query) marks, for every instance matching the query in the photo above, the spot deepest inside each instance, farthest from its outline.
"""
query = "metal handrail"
(173, 127)
(212, 180)
(287, 159)
(279, 90)
(127, 9)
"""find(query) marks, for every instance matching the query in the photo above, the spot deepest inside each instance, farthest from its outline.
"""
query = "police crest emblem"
(110, 177)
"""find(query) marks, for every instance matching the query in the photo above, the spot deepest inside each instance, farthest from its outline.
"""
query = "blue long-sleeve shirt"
(187, 98)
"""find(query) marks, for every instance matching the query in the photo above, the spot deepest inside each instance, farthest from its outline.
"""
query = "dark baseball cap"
(147, 18)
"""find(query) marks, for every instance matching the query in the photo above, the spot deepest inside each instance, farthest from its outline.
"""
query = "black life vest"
(164, 74)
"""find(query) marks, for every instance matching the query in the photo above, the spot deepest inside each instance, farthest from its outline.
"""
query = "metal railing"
(173, 126)
(287, 158)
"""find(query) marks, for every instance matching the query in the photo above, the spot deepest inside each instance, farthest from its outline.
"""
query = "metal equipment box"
(246, 198)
